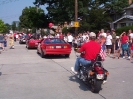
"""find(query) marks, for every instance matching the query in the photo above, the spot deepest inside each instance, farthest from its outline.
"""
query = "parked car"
(53, 46)
(23, 39)
(32, 43)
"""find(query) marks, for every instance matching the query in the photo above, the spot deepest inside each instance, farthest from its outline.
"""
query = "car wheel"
(42, 54)
(27, 47)
(37, 51)
(19, 42)
(67, 55)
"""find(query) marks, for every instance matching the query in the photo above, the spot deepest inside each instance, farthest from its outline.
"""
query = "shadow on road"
(0, 73)
(54, 56)
(82, 85)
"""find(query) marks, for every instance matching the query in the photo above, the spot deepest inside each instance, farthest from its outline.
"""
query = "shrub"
(126, 28)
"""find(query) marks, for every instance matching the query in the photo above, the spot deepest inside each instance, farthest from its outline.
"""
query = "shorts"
(108, 46)
(5, 43)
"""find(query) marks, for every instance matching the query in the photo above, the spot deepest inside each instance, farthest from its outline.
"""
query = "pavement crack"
(62, 67)
(102, 96)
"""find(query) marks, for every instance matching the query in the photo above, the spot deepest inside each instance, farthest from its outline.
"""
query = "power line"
(7, 1)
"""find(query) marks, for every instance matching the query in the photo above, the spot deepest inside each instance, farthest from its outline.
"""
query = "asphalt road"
(25, 75)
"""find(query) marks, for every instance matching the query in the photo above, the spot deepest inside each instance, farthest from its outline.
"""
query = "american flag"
(102, 54)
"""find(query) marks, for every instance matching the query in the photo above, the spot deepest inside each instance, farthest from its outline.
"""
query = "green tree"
(8, 27)
(14, 26)
(116, 8)
(2, 26)
(95, 14)
(32, 17)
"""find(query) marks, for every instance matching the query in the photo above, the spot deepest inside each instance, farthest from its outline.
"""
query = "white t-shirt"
(70, 38)
(108, 40)
(65, 38)
(103, 34)
(16, 35)
(131, 35)
(57, 35)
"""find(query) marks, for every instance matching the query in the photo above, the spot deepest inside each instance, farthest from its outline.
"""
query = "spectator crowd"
(112, 45)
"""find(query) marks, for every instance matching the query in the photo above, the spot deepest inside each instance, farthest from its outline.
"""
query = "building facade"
(126, 19)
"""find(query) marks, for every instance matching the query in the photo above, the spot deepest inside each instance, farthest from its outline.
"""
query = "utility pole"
(37, 7)
(76, 16)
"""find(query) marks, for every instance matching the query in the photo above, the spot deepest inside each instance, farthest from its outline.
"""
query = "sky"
(10, 10)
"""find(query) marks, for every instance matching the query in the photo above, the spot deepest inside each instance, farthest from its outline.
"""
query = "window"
(54, 41)
(123, 24)
(129, 24)
(131, 12)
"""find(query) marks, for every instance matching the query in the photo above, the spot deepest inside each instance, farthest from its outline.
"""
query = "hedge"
(123, 29)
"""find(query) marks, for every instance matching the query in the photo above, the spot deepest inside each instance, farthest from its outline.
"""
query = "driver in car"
(90, 49)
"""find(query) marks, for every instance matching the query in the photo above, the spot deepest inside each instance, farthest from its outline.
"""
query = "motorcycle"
(94, 74)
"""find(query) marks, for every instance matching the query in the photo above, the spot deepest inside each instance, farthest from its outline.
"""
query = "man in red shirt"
(90, 50)
(125, 44)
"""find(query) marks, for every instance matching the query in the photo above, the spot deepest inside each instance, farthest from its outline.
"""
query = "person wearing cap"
(90, 49)
(113, 41)
(117, 47)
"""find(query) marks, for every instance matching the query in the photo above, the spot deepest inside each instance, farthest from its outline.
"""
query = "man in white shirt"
(108, 43)
(130, 35)
(103, 33)
(70, 39)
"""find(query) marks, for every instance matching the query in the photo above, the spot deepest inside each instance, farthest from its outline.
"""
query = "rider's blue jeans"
(81, 61)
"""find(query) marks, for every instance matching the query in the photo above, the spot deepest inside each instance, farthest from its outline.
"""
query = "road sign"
(76, 24)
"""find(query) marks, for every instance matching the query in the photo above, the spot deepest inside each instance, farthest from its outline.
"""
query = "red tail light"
(50, 47)
(99, 69)
(65, 46)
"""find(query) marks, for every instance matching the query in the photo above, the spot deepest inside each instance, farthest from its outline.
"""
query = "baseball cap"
(92, 34)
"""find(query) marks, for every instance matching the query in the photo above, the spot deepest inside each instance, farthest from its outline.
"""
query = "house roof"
(129, 7)
(125, 16)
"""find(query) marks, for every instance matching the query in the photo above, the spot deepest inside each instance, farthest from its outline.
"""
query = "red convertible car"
(32, 43)
(53, 46)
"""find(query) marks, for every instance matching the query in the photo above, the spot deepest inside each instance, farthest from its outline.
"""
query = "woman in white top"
(108, 43)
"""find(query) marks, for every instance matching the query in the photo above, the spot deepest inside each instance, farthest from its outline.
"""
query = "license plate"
(58, 46)
(100, 76)
(23, 40)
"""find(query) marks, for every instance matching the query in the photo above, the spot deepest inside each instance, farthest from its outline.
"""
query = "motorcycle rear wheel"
(96, 86)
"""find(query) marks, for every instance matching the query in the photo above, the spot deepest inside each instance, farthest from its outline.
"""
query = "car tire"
(27, 47)
(42, 54)
(37, 52)
(67, 55)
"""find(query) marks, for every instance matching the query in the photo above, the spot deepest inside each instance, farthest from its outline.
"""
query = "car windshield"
(54, 41)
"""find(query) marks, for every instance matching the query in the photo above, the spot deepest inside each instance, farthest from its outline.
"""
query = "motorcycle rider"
(90, 49)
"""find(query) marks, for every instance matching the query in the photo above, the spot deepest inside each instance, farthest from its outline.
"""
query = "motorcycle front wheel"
(96, 86)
